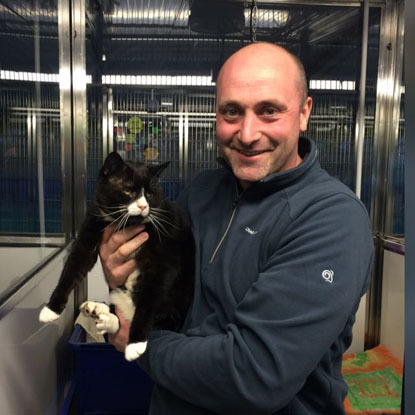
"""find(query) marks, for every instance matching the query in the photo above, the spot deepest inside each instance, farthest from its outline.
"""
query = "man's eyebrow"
(226, 104)
(271, 103)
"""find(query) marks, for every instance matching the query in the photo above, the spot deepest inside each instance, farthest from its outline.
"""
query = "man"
(283, 255)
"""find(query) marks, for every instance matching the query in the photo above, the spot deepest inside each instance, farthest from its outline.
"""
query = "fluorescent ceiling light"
(158, 80)
(331, 84)
(267, 18)
(163, 80)
(34, 76)
(150, 16)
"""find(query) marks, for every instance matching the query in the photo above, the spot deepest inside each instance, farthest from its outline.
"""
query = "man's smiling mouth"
(250, 153)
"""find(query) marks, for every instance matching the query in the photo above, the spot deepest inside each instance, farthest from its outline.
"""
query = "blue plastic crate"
(105, 383)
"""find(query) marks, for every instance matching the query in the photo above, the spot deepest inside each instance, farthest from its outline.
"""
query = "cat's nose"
(141, 206)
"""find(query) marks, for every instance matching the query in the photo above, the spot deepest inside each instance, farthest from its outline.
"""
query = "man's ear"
(113, 164)
(156, 170)
(305, 113)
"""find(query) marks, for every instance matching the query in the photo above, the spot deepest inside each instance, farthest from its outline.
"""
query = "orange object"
(374, 378)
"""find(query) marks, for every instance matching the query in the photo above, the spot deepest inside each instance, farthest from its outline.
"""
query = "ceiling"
(189, 36)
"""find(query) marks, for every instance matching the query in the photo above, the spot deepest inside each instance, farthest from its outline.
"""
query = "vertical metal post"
(359, 328)
(37, 124)
(385, 138)
(360, 118)
(397, 56)
(79, 126)
(79, 110)
(186, 147)
(65, 92)
(72, 79)
(104, 122)
(107, 122)
(110, 121)
(181, 144)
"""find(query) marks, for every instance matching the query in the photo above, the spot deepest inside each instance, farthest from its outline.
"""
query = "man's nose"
(250, 130)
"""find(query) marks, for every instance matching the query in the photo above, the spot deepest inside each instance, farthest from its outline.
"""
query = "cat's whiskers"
(154, 226)
(126, 217)
(156, 209)
(122, 221)
(107, 214)
(164, 219)
(158, 225)
(118, 219)
(114, 221)
(121, 205)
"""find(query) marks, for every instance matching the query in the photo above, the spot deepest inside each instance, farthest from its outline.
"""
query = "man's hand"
(115, 252)
(120, 338)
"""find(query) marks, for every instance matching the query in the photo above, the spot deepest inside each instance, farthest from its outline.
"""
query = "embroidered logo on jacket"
(327, 274)
(250, 231)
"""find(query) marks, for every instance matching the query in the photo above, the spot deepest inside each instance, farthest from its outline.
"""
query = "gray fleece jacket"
(280, 270)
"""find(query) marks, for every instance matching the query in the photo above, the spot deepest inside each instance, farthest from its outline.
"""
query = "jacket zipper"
(234, 208)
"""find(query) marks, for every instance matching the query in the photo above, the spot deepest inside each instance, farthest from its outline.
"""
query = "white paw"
(93, 309)
(107, 323)
(46, 315)
(135, 350)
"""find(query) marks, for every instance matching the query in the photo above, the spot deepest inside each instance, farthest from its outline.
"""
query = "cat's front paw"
(93, 309)
(107, 323)
(135, 350)
(46, 315)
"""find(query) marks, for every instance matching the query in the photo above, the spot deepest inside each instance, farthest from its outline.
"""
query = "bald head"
(263, 54)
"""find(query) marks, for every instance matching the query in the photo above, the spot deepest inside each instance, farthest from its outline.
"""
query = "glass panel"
(30, 142)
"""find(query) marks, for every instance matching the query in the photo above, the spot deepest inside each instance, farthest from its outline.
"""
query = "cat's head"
(128, 191)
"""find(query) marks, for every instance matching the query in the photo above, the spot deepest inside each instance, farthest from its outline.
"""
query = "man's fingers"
(112, 241)
(121, 272)
(128, 248)
(120, 339)
(116, 252)
(106, 235)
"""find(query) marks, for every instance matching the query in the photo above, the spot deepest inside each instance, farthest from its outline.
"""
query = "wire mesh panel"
(202, 146)
(94, 137)
(332, 126)
(367, 168)
(146, 129)
(30, 179)
(158, 125)
(398, 177)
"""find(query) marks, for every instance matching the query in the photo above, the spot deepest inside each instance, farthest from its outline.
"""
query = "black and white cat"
(158, 294)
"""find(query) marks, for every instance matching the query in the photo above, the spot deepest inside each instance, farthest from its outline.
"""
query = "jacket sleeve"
(306, 293)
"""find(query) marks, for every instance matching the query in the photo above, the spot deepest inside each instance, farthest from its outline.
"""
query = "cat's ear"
(113, 164)
(156, 171)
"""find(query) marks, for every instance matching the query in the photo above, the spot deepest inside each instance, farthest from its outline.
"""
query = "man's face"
(260, 115)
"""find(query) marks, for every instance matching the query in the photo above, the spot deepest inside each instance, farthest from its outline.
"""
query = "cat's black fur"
(164, 289)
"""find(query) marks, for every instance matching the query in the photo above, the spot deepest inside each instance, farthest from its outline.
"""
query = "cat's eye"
(128, 193)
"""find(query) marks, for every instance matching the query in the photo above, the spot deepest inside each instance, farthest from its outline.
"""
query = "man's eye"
(270, 111)
(231, 112)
